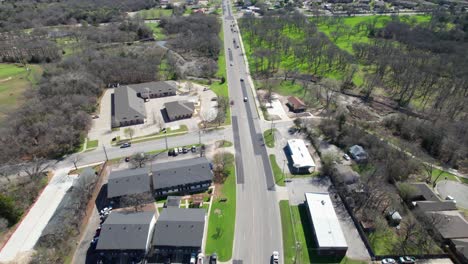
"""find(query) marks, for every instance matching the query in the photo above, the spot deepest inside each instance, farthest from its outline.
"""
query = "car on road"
(214, 258)
(126, 145)
(245, 99)
(241, 80)
(388, 261)
(407, 260)
(346, 157)
(275, 257)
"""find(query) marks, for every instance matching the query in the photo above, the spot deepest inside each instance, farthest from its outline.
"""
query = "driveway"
(298, 187)
(458, 191)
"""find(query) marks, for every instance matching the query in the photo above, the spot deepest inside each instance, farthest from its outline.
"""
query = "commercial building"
(179, 109)
(328, 235)
(154, 89)
(127, 108)
(179, 233)
(301, 160)
(126, 235)
(162, 179)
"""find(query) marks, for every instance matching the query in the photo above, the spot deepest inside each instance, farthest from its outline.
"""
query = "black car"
(214, 258)
(126, 145)
(241, 80)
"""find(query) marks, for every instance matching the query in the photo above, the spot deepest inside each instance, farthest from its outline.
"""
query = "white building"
(301, 159)
(327, 230)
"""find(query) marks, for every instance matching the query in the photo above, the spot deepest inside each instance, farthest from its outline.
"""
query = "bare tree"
(36, 167)
(129, 132)
(137, 201)
(139, 159)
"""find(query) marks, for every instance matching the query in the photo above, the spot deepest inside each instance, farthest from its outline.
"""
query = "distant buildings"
(326, 228)
(181, 176)
(302, 162)
(128, 101)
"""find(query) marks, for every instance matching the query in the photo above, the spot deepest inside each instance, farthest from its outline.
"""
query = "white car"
(200, 258)
(192, 259)
(245, 99)
(450, 198)
(275, 257)
(346, 157)
(388, 261)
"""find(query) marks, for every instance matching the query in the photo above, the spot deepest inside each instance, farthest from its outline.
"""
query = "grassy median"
(277, 172)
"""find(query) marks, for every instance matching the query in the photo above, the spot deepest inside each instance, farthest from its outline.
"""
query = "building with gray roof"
(179, 109)
(126, 232)
(179, 230)
(127, 182)
(127, 107)
(180, 176)
(154, 89)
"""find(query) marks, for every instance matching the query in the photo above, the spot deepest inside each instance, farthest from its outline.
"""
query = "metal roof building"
(181, 172)
(300, 155)
(126, 231)
(127, 182)
(328, 234)
(127, 107)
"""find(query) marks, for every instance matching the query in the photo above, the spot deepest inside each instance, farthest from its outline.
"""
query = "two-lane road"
(258, 224)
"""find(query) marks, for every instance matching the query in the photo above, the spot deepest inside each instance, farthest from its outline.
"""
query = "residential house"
(128, 182)
(180, 176)
(178, 233)
(179, 109)
(358, 153)
(126, 236)
(296, 105)
(127, 108)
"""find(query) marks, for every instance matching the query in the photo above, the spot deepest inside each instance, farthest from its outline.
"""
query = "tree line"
(17, 15)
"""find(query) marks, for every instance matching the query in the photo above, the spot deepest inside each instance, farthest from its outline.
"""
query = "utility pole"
(199, 137)
(165, 138)
(105, 152)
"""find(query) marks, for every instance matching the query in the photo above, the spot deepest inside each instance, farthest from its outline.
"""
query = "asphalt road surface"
(258, 224)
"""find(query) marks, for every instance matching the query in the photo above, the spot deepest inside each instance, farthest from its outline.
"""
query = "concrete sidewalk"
(30, 228)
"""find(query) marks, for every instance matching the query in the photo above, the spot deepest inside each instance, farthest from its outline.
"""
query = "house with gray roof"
(179, 109)
(154, 89)
(127, 107)
(179, 231)
(127, 182)
(127, 234)
(180, 176)
(358, 153)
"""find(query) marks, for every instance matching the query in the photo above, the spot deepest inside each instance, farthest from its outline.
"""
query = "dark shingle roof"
(181, 172)
(179, 108)
(125, 182)
(127, 105)
(125, 231)
(427, 206)
(450, 224)
(179, 227)
(423, 192)
(173, 201)
(155, 87)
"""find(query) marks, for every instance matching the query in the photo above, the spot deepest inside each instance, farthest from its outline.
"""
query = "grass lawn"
(14, 80)
(444, 175)
(381, 241)
(224, 143)
(269, 136)
(295, 226)
(158, 33)
(277, 172)
(91, 144)
(154, 13)
(222, 218)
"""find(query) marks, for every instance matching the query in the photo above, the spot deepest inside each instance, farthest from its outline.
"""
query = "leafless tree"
(139, 159)
(137, 201)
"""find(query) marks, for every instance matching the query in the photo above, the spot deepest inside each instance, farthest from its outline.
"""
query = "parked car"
(193, 260)
(95, 116)
(170, 152)
(127, 159)
(275, 257)
(194, 149)
(245, 99)
(346, 157)
(94, 243)
(388, 261)
(184, 150)
(292, 130)
(450, 198)
(126, 145)
(407, 260)
(241, 80)
(98, 231)
(180, 150)
(214, 258)
(200, 258)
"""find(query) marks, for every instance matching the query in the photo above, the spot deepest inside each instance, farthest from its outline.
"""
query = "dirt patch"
(5, 80)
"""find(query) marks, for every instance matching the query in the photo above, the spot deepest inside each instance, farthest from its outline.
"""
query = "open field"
(220, 237)
(295, 226)
(14, 80)
(158, 33)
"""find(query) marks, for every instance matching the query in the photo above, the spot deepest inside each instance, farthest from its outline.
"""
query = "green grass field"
(295, 226)
(14, 80)
(158, 33)
(221, 223)
(269, 136)
(154, 13)
(92, 144)
(446, 175)
(277, 172)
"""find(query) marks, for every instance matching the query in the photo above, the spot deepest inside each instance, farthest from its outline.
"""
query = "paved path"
(30, 229)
